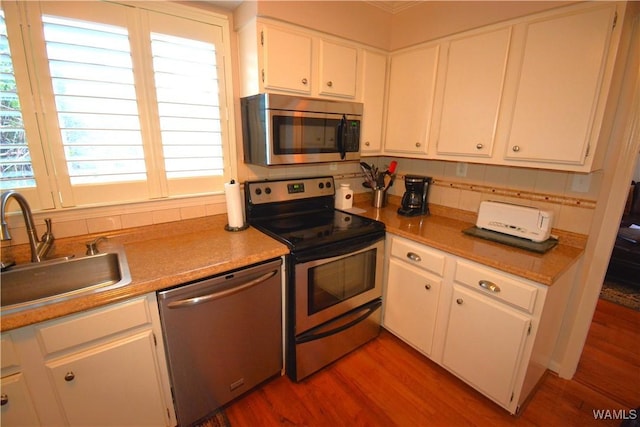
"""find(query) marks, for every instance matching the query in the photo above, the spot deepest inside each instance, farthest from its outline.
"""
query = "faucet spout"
(39, 248)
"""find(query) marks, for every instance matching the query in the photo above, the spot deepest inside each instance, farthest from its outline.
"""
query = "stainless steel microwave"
(286, 130)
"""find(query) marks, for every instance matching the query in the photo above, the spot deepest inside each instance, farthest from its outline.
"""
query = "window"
(133, 102)
(15, 161)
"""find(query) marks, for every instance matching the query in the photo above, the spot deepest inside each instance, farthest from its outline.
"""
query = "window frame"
(43, 120)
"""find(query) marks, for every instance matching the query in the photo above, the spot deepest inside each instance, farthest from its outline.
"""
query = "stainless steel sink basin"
(36, 284)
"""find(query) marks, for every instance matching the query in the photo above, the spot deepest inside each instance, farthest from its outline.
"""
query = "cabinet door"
(286, 60)
(114, 384)
(411, 304)
(17, 405)
(375, 73)
(338, 69)
(474, 82)
(412, 84)
(484, 343)
(559, 86)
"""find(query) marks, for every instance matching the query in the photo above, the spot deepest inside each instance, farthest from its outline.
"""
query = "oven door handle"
(221, 294)
(338, 250)
(322, 331)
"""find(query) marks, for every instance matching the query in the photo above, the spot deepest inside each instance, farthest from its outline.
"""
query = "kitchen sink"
(36, 284)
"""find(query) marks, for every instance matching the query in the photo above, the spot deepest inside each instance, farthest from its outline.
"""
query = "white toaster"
(515, 220)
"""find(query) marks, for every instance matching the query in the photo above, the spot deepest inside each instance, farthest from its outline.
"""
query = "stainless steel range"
(334, 272)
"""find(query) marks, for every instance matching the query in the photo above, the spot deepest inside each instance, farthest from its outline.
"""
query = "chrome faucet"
(39, 248)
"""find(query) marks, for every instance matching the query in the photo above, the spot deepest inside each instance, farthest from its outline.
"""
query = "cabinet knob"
(459, 301)
(4, 399)
(479, 146)
(330, 83)
(367, 143)
(516, 148)
(427, 286)
(414, 257)
(418, 145)
(305, 81)
(70, 376)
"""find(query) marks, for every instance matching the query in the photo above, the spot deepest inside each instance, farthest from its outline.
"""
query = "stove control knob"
(267, 190)
(328, 184)
(321, 185)
(258, 191)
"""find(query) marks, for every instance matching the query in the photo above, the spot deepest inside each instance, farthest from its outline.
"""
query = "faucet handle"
(45, 236)
(92, 247)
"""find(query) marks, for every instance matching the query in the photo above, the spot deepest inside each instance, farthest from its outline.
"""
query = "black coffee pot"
(415, 198)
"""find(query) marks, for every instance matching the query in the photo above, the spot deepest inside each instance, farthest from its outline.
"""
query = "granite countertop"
(443, 230)
(161, 257)
(167, 255)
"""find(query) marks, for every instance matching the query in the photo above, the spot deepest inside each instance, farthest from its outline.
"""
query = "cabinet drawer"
(497, 285)
(418, 255)
(89, 326)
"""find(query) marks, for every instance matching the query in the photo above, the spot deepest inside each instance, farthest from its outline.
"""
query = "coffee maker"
(414, 201)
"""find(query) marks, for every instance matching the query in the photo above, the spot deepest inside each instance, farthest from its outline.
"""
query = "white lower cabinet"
(495, 331)
(104, 366)
(17, 404)
(412, 304)
(484, 343)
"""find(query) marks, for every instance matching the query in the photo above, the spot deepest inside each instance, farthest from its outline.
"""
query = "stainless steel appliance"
(284, 129)
(415, 200)
(334, 272)
(223, 337)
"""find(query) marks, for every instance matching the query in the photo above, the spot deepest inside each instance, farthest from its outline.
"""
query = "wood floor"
(387, 383)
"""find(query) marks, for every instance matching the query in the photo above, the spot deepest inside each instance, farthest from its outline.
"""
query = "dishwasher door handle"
(217, 295)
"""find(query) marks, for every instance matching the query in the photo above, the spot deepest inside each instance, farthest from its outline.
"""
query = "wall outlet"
(581, 183)
(461, 169)
(333, 166)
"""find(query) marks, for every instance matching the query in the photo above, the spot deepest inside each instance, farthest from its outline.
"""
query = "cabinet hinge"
(615, 19)
(529, 330)
(586, 154)
(512, 395)
(262, 73)
(155, 340)
(262, 38)
(168, 414)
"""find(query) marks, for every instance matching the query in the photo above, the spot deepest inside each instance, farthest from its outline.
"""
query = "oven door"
(346, 276)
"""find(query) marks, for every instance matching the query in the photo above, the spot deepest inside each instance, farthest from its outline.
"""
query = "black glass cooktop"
(314, 229)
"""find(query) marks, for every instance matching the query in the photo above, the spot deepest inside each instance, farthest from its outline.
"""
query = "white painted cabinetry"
(495, 331)
(286, 59)
(105, 366)
(413, 289)
(412, 85)
(562, 86)
(374, 77)
(474, 73)
(16, 403)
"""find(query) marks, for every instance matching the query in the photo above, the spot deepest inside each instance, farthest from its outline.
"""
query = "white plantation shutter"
(92, 78)
(134, 104)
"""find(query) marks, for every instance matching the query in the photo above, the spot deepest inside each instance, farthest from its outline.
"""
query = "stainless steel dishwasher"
(223, 337)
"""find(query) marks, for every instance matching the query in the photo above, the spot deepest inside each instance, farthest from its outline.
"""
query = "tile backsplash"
(549, 190)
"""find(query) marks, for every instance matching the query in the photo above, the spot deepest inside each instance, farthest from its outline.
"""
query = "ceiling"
(391, 6)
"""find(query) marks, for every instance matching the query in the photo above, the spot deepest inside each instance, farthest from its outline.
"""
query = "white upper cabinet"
(561, 87)
(338, 69)
(475, 67)
(373, 96)
(412, 84)
(286, 60)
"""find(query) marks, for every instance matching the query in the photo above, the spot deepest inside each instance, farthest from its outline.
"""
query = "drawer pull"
(70, 376)
(4, 399)
(427, 286)
(490, 286)
(414, 257)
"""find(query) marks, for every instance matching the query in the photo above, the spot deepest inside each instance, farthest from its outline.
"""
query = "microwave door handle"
(342, 128)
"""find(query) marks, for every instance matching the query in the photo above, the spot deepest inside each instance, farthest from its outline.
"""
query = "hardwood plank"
(388, 383)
